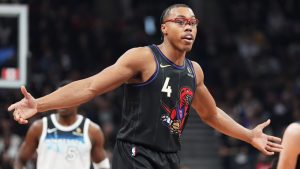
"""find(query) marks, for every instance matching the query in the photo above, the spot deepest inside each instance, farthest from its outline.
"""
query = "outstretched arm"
(289, 155)
(29, 145)
(84, 90)
(100, 161)
(206, 108)
(129, 64)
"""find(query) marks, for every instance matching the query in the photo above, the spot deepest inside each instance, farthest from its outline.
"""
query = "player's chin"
(187, 48)
(63, 112)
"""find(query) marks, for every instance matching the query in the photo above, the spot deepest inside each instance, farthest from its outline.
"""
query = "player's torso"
(62, 147)
(155, 112)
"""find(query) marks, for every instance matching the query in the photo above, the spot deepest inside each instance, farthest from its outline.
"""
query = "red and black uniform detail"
(155, 112)
(175, 117)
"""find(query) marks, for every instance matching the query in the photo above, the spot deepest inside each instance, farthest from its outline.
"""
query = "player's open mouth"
(188, 38)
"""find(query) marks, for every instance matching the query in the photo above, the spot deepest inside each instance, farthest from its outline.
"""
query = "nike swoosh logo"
(51, 130)
(163, 66)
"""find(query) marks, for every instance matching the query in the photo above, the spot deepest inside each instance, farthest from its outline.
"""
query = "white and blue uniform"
(64, 147)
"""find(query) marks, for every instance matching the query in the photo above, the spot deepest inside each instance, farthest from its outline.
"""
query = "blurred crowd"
(250, 56)
(253, 69)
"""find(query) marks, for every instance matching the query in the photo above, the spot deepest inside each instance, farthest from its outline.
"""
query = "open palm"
(25, 108)
(265, 143)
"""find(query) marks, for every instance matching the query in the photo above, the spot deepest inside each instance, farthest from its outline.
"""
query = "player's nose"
(188, 28)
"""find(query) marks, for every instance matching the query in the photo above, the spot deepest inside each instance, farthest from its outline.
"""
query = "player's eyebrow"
(182, 16)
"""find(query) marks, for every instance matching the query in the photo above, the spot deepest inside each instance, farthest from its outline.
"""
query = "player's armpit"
(203, 101)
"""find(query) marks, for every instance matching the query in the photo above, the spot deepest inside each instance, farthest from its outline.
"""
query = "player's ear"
(163, 29)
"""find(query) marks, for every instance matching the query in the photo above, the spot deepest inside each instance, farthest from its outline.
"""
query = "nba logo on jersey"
(133, 151)
(190, 73)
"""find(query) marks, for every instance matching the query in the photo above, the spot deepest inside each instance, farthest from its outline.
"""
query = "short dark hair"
(166, 12)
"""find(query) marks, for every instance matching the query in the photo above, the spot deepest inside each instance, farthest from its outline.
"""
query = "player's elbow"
(91, 93)
(90, 89)
(207, 116)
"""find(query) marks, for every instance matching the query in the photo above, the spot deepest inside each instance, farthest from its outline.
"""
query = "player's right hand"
(25, 108)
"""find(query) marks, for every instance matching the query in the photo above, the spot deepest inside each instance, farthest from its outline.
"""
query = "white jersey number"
(72, 153)
(167, 88)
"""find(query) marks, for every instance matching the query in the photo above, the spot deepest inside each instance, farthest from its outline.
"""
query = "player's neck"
(66, 120)
(173, 54)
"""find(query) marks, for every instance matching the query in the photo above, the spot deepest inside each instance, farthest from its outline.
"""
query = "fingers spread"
(22, 121)
(25, 93)
(274, 145)
(17, 114)
(19, 118)
(274, 139)
(12, 107)
(268, 151)
(273, 149)
(265, 124)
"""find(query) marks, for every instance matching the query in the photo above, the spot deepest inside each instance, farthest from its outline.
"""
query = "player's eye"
(193, 22)
(180, 21)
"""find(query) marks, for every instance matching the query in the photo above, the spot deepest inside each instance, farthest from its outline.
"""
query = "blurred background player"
(64, 140)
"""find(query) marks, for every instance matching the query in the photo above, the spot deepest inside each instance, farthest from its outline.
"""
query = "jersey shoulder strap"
(86, 137)
(155, 52)
(45, 127)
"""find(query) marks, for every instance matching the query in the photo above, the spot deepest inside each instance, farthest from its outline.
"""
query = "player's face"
(180, 28)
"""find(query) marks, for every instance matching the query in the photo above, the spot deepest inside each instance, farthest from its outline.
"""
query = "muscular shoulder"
(35, 130)
(139, 50)
(140, 63)
(37, 125)
(292, 131)
(95, 131)
(93, 127)
(291, 137)
(138, 54)
(199, 73)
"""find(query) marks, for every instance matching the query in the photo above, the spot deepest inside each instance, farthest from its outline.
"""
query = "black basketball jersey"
(298, 163)
(156, 111)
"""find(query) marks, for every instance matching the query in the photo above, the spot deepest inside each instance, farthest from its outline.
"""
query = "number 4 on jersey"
(167, 88)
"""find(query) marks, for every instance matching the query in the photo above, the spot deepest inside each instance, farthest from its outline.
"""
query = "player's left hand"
(267, 144)
(25, 108)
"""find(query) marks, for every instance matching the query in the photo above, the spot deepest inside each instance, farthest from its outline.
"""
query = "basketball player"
(289, 156)
(64, 140)
(161, 85)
